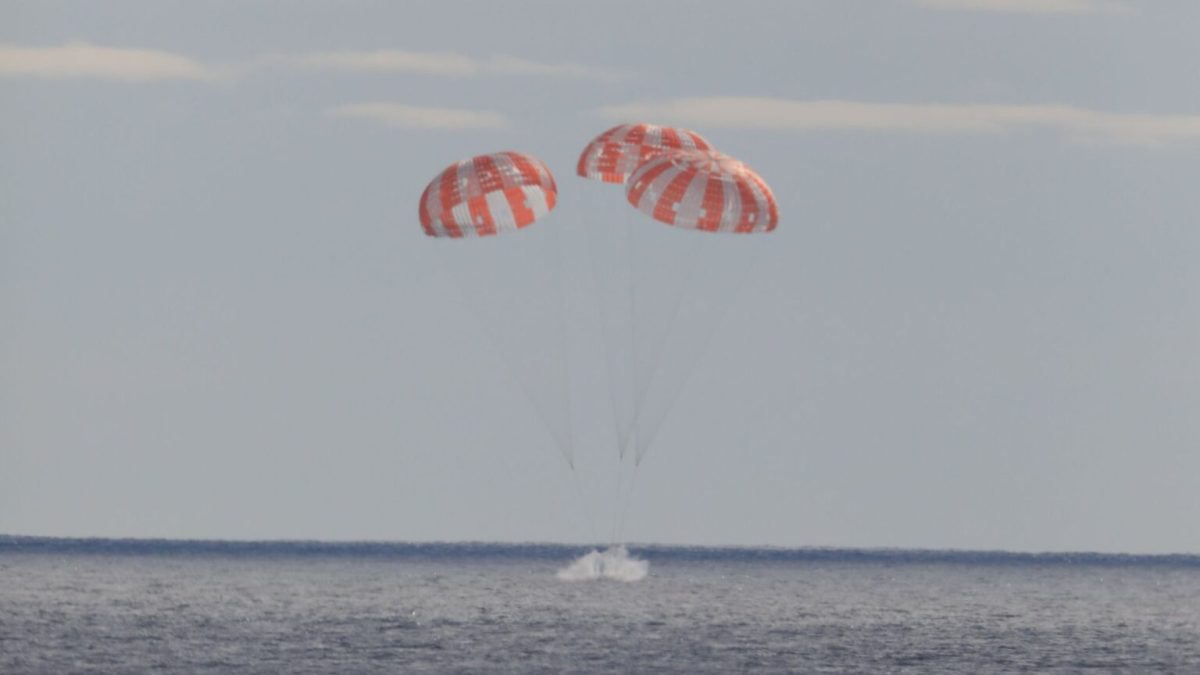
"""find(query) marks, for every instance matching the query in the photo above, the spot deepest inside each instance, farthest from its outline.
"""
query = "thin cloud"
(1030, 6)
(512, 65)
(1078, 125)
(84, 60)
(446, 64)
(422, 117)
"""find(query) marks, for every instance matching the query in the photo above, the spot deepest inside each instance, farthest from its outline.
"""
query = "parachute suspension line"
(691, 257)
(622, 503)
(606, 331)
(612, 285)
(628, 498)
(561, 244)
(615, 537)
(445, 270)
(631, 272)
(510, 366)
(606, 334)
(612, 281)
(705, 335)
(583, 504)
(627, 230)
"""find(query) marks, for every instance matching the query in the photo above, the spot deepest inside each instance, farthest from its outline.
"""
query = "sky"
(976, 326)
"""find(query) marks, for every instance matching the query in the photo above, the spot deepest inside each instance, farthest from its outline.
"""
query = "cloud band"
(1076, 124)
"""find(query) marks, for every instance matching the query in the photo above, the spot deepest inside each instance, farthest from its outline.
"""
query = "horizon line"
(10, 542)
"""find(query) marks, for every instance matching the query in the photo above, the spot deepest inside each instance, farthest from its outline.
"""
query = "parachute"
(657, 303)
(703, 190)
(615, 154)
(486, 195)
(513, 284)
(675, 176)
(619, 262)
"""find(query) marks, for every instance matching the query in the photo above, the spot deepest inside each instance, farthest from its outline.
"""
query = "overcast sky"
(977, 325)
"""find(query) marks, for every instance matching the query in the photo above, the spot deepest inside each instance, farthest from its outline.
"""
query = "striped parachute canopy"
(613, 155)
(487, 195)
(703, 190)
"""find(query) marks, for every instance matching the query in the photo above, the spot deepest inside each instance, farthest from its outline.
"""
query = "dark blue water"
(138, 606)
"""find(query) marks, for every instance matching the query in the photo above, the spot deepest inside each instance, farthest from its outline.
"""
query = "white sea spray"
(611, 563)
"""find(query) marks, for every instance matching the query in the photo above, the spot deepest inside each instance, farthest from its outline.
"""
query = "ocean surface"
(124, 606)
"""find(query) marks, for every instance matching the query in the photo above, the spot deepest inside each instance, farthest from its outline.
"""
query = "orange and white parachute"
(654, 328)
(614, 155)
(486, 195)
(703, 190)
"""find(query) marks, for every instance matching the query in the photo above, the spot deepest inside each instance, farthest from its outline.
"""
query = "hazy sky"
(976, 327)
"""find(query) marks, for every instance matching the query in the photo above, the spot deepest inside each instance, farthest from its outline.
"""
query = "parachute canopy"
(703, 190)
(486, 195)
(615, 154)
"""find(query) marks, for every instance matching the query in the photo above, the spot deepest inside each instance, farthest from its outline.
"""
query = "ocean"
(135, 606)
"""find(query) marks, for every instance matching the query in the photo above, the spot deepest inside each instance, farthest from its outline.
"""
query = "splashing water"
(612, 563)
